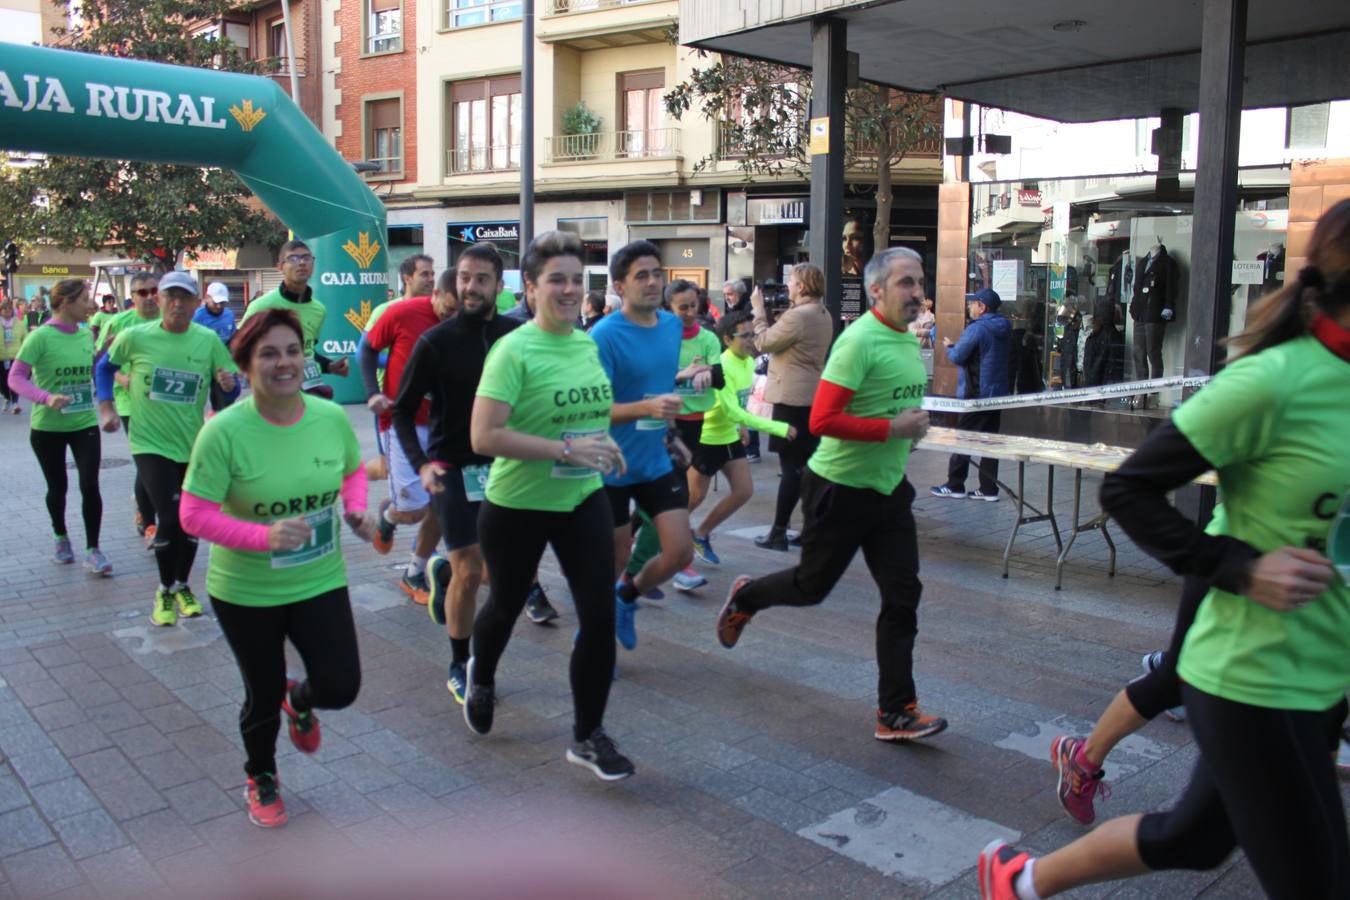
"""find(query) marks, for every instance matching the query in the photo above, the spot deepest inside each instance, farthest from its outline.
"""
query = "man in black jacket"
(445, 367)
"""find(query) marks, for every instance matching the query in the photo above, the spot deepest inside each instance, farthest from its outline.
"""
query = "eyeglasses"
(299, 259)
(744, 336)
(146, 292)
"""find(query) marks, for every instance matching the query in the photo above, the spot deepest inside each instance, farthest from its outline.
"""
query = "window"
(486, 125)
(459, 13)
(644, 114)
(238, 33)
(276, 38)
(384, 135)
(384, 26)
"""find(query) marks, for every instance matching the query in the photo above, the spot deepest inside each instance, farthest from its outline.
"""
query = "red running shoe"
(999, 867)
(732, 621)
(1078, 781)
(304, 727)
(265, 807)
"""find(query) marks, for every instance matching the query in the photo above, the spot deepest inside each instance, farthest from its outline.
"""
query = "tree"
(153, 211)
(761, 112)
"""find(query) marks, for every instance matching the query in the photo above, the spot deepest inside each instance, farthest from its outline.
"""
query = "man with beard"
(442, 374)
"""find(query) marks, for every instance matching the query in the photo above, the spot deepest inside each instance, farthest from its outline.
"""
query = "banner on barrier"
(1072, 395)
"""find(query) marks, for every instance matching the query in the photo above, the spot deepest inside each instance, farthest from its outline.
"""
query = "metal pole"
(829, 71)
(290, 50)
(527, 125)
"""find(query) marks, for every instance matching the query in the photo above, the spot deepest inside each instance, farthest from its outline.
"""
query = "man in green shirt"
(854, 491)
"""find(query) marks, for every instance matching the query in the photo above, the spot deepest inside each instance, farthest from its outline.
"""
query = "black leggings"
(85, 446)
(1161, 689)
(792, 458)
(322, 630)
(513, 541)
(1265, 781)
(143, 504)
(175, 549)
(5, 365)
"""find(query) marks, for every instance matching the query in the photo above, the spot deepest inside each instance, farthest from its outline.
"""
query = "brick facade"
(361, 77)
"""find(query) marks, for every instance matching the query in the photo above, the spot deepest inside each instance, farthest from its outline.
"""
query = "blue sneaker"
(65, 554)
(625, 624)
(438, 579)
(688, 579)
(704, 551)
(654, 594)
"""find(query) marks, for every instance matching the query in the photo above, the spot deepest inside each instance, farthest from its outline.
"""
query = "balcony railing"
(652, 143)
(499, 158)
(728, 148)
(562, 7)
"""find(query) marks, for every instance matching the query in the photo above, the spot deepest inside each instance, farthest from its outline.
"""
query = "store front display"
(505, 236)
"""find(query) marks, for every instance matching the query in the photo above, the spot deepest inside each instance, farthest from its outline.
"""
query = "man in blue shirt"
(982, 355)
(640, 350)
(215, 313)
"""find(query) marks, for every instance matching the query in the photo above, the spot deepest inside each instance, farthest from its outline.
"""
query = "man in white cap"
(215, 314)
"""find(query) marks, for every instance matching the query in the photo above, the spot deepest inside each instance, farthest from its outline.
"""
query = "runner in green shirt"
(542, 413)
(13, 329)
(171, 366)
(105, 314)
(54, 370)
(854, 493)
(296, 263)
(144, 311)
(263, 487)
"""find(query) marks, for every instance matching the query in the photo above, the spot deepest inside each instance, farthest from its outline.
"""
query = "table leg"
(1111, 570)
(1073, 535)
(1050, 505)
(1021, 506)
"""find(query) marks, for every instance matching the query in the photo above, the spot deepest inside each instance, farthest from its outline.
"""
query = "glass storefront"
(505, 236)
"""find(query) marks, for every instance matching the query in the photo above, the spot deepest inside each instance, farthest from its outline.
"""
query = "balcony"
(563, 7)
(279, 66)
(473, 160)
(653, 143)
(728, 148)
(602, 24)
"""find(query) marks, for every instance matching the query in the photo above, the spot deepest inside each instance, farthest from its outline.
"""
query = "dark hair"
(290, 246)
(143, 276)
(546, 246)
(1323, 286)
(703, 301)
(727, 325)
(595, 301)
(678, 286)
(487, 252)
(623, 258)
(409, 265)
(446, 283)
(66, 289)
(252, 331)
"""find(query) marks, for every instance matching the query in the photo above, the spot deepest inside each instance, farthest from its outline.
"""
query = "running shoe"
(140, 523)
(1152, 661)
(704, 551)
(774, 540)
(537, 608)
(478, 703)
(732, 621)
(303, 726)
(909, 724)
(416, 587)
(688, 579)
(981, 495)
(1078, 781)
(601, 755)
(753, 458)
(164, 613)
(65, 554)
(625, 621)
(149, 534)
(947, 493)
(188, 605)
(456, 682)
(17, 409)
(654, 594)
(263, 795)
(97, 563)
(999, 866)
(438, 582)
(383, 541)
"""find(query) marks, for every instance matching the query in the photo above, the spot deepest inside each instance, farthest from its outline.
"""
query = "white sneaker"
(981, 495)
(688, 579)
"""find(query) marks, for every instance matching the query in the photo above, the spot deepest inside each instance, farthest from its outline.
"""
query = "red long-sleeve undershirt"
(828, 418)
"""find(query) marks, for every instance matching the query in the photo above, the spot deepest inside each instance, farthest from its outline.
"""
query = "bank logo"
(359, 319)
(247, 116)
(364, 252)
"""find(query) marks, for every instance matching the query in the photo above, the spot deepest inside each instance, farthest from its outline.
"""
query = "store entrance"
(697, 276)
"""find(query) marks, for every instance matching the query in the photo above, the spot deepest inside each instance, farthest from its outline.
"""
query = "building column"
(829, 72)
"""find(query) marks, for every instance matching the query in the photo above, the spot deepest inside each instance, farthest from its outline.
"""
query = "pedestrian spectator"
(13, 329)
(593, 310)
(735, 296)
(215, 314)
(922, 327)
(982, 355)
(797, 344)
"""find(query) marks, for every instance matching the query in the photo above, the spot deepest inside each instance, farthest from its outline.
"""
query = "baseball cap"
(988, 296)
(218, 292)
(180, 280)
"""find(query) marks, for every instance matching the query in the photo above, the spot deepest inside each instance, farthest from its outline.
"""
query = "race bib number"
(647, 423)
(566, 470)
(313, 375)
(174, 385)
(322, 541)
(743, 397)
(475, 482)
(1339, 543)
(81, 396)
(686, 389)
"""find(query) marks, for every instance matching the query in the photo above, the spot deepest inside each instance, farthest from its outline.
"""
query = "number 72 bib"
(175, 385)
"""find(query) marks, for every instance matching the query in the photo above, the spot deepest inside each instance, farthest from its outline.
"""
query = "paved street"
(757, 773)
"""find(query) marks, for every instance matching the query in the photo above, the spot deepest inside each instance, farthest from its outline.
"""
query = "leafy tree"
(761, 110)
(153, 211)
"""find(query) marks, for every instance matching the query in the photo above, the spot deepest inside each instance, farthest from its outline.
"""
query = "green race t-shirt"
(171, 378)
(261, 472)
(704, 345)
(12, 332)
(311, 317)
(882, 365)
(1275, 427)
(62, 364)
(108, 332)
(556, 388)
(719, 425)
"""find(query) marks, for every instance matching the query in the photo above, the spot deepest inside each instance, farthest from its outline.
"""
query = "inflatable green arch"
(79, 104)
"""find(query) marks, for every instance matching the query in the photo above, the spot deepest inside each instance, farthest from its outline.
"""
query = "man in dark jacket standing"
(982, 355)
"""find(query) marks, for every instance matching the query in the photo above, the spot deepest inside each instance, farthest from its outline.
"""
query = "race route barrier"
(1072, 395)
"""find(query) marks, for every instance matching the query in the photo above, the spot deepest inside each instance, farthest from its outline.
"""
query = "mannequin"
(1152, 307)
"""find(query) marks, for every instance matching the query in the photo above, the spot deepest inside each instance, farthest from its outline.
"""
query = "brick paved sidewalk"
(757, 773)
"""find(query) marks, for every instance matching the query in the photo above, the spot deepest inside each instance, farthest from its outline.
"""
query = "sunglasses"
(146, 292)
(300, 258)
(744, 336)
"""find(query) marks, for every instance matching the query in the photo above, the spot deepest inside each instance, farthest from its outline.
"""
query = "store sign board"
(56, 270)
(1248, 271)
(776, 211)
(1029, 198)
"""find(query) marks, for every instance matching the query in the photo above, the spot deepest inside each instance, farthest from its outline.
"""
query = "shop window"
(384, 26)
(384, 135)
(672, 207)
(462, 13)
(485, 125)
